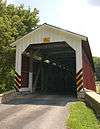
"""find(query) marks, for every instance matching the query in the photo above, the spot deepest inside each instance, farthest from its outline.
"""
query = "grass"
(82, 117)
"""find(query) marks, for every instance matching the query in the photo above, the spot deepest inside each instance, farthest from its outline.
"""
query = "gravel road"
(35, 112)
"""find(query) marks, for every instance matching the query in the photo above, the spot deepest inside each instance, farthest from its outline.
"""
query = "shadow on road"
(38, 99)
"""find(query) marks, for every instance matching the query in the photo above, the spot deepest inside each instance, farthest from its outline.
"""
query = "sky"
(79, 16)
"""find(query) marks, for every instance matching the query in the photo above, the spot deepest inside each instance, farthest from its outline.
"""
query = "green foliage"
(97, 67)
(98, 87)
(14, 23)
(81, 117)
(96, 60)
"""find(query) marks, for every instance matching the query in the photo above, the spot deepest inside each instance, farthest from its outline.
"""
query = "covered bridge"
(53, 60)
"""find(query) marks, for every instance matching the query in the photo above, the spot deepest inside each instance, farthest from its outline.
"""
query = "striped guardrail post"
(17, 81)
(79, 80)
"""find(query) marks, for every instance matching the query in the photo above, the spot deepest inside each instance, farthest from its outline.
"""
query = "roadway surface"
(35, 112)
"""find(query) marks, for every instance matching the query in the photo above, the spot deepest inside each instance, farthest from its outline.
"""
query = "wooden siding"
(88, 73)
(25, 71)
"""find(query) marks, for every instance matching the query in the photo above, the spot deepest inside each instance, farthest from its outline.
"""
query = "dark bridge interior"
(54, 68)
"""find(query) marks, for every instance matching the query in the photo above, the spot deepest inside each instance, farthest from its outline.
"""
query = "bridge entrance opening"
(50, 68)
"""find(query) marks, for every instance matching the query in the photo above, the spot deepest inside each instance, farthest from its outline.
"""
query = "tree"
(97, 67)
(15, 21)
